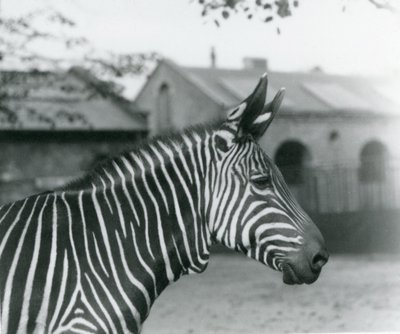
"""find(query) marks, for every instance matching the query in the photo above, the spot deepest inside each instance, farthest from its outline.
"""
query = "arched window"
(164, 107)
(291, 158)
(373, 160)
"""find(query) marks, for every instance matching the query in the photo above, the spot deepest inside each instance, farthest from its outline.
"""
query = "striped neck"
(151, 205)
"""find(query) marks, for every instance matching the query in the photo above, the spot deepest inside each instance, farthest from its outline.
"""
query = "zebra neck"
(154, 206)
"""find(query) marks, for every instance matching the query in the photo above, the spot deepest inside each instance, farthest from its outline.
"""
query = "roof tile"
(73, 100)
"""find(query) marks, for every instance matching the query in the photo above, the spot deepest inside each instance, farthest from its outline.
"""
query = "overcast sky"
(361, 40)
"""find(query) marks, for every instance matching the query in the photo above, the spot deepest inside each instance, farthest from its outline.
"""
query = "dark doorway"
(373, 161)
(292, 157)
(164, 107)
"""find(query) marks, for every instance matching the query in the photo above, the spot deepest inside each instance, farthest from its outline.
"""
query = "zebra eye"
(262, 181)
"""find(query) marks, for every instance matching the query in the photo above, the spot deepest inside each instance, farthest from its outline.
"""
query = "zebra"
(93, 256)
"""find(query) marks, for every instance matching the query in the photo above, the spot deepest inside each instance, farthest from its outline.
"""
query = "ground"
(238, 295)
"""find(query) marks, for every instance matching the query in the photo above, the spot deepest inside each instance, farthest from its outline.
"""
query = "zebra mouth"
(289, 276)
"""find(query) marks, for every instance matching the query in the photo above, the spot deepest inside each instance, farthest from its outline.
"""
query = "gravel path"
(237, 295)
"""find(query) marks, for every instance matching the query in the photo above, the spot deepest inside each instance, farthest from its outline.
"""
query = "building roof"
(64, 101)
(310, 92)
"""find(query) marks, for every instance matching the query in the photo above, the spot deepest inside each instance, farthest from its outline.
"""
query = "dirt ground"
(238, 295)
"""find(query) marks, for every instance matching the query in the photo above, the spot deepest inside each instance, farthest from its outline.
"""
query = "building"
(55, 125)
(335, 138)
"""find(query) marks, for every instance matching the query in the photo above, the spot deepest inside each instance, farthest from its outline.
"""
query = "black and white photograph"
(199, 166)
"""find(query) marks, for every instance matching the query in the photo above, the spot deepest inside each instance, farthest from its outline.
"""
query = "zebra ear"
(251, 117)
(258, 124)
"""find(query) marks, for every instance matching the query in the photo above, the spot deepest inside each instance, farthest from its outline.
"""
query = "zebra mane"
(143, 146)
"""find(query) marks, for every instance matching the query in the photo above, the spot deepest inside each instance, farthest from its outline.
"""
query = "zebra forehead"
(254, 155)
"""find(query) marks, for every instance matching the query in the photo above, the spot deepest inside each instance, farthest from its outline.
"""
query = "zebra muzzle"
(292, 276)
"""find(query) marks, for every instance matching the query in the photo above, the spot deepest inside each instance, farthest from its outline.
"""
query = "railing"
(336, 190)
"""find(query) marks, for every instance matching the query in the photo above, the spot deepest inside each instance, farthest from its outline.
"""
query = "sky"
(359, 40)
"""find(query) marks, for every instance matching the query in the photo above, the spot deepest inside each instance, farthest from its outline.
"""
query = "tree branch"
(383, 5)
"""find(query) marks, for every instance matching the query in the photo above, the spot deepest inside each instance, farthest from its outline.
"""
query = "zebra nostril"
(319, 260)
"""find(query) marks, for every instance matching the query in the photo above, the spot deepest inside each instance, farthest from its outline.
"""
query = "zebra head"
(252, 209)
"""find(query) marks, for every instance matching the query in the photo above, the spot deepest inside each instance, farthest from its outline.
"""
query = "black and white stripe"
(92, 257)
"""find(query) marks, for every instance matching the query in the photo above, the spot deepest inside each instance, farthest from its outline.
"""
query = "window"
(291, 157)
(373, 159)
(164, 107)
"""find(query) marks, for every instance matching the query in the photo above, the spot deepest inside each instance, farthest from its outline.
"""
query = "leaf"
(231, 3)
(225, 14)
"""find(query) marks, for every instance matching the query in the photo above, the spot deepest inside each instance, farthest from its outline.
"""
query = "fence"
(356, 210)
(341, 189)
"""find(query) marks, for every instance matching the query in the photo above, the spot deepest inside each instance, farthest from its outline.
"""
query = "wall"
(189, 105)
(32, 161)
(314, 133)
(361, 232)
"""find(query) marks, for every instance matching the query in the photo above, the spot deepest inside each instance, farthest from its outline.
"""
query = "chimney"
(213, 58)
(317, 69)
(257, 64)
